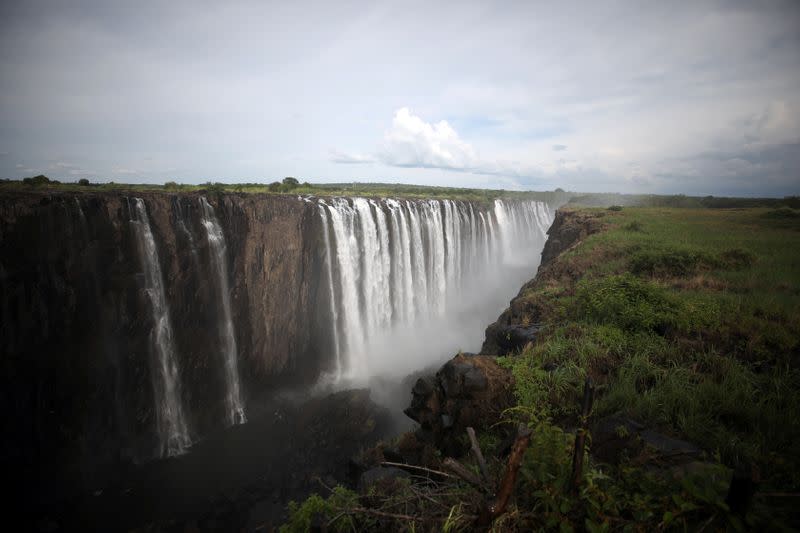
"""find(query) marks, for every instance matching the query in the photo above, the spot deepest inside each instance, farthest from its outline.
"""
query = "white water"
(412, 282)
(216, 240)
(172, 429)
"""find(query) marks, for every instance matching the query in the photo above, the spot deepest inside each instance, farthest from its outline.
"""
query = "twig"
(382, 514)
(414, 467)
(462, 472)
(476, 451)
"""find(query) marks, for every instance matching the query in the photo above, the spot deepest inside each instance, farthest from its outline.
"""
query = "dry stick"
(476, 451)
(580, 436)
(382, 514)
(488, 514)
(462, 472)
(414, 467)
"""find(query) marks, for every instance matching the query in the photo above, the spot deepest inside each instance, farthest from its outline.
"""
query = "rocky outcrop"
(519, 323)
(75, 322)
(468, 391)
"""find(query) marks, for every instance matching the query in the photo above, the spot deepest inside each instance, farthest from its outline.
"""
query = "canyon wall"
(133, 325)
(76, 325)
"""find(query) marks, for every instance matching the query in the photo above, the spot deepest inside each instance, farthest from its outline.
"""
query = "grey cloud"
(559, 147)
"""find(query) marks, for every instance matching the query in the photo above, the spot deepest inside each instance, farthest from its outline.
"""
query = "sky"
(642, 97)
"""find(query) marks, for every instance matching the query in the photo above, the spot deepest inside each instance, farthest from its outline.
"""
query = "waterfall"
(171, 424)
(332, 291)
(408, 274)
(216, 240)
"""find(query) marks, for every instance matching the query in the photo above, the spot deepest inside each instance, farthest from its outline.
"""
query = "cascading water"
(216, 240)
(406, 277)
(172, 429)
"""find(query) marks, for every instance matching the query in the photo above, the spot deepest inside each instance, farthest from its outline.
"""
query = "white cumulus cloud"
(412, 142)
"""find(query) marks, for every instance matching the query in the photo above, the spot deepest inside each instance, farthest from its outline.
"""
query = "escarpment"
(519, 323)
(137, 323)
(78, 332)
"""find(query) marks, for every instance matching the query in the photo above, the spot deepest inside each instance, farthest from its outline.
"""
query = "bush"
(290, 183)
(670, 262)
(84, 182)
(302, 516)
(275, 186)
(737, 258)
(615, 208)
(171, 186)
(39, 180)
(634, 225)
(215, 188)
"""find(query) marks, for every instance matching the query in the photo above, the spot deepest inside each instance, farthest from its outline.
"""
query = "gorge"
(135, 326)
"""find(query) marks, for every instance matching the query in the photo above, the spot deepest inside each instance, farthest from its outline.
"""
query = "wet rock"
(469, 390)
(616, 437)
(512, 338)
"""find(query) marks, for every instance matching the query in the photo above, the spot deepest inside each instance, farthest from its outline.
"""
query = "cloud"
(350, 159)
(559, 147)
(412, 142)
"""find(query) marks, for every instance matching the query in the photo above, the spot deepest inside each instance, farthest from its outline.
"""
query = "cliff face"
(513, 329)
(76, 326)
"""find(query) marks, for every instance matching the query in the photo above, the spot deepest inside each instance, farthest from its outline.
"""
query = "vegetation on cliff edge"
(688, 322)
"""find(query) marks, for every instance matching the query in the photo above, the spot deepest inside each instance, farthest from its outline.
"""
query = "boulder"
(469, 390)
(503, 339)
(615, 437)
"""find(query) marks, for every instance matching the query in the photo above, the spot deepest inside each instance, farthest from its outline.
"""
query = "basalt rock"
(469, 390)
(517, 325)
(76, 323)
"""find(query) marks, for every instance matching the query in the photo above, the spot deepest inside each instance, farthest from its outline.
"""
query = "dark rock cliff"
(75, 325)
(510, 332)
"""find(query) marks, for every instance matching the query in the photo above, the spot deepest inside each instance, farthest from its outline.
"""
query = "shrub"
(36, 181)
(628, 303)
(737, 258)
(302, 516)
(84, 182)
(634, 225)
(171, 186)
(615, 208)
(670, 262)
(275, 186)
(290, 182)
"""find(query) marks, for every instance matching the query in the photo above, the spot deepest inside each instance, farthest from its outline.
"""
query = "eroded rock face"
(468, 391)
(513, 328)
(75, 320)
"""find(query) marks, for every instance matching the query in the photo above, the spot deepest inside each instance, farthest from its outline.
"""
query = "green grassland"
(688, 322)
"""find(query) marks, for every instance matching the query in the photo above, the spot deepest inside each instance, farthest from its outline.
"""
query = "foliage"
(84, 182)
(40, 180)
(326, 511)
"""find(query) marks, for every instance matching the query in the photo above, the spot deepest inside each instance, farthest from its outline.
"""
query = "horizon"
(641, 98)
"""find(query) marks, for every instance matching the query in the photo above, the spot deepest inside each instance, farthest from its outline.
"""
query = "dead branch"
(489, 513)
(462, 472)
(476, 451)
(414, 467)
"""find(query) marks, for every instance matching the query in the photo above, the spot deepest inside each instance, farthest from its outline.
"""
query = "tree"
(275, 186)
(83, 181)
(290, 182)
(41, 179)
(171, 186)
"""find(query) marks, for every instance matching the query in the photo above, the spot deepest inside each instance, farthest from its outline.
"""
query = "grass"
(691, 323)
